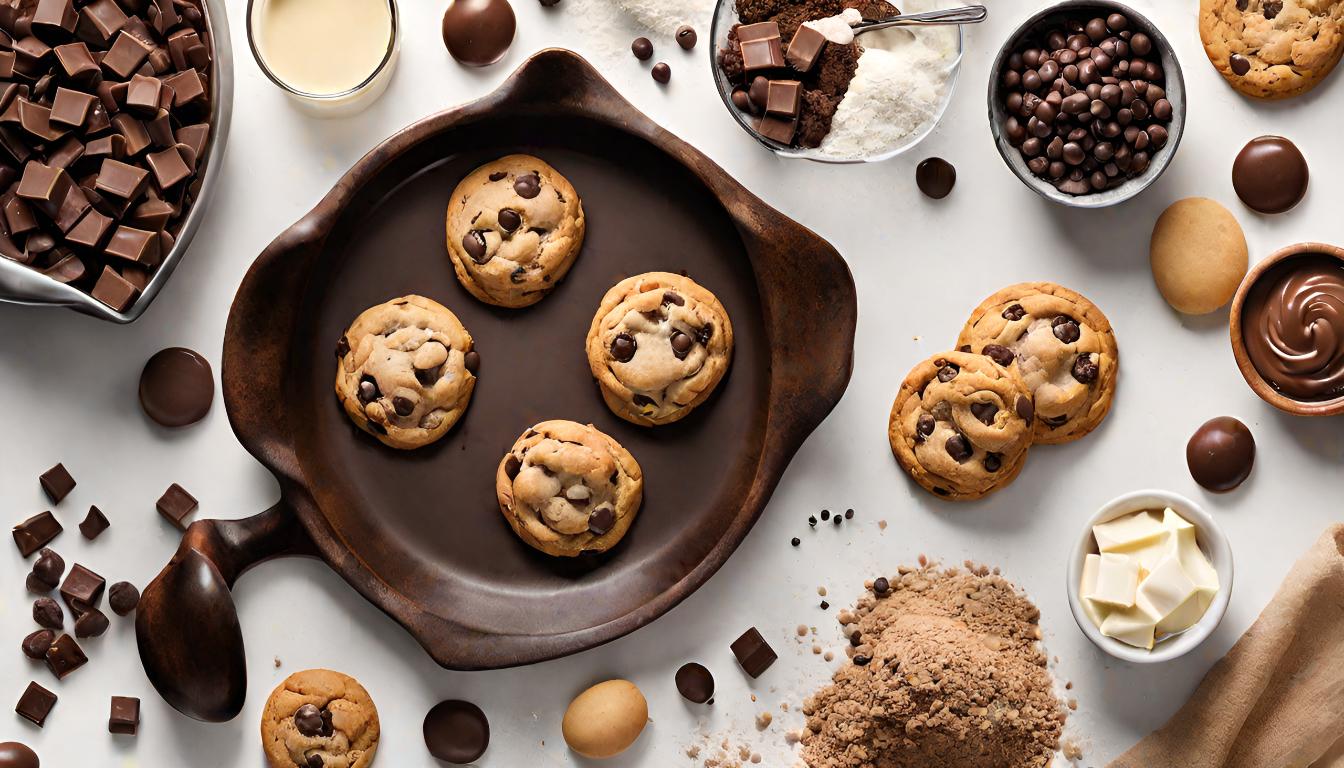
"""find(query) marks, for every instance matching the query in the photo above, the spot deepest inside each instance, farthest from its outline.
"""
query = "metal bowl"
(1174, 85)
(21, 285)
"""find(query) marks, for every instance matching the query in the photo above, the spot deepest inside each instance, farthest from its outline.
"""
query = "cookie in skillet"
(961, 425)
(658, 346)
(319, 719)
(566, 488)
(1272, 49)
(515, 226)
(1060, 344)
(405, 371)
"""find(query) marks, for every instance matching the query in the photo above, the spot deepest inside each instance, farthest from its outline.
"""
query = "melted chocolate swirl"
(1293, 327)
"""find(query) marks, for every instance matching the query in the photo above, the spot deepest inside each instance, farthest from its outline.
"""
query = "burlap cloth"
(1276, 700)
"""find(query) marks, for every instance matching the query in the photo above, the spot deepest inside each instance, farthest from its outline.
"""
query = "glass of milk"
(334, 57)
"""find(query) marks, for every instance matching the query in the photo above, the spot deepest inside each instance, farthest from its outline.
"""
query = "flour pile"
(948, 672)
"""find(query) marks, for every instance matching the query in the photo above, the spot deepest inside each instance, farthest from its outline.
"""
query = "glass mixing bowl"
(725, 16)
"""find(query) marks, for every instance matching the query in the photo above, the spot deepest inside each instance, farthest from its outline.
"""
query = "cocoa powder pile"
(947, 672)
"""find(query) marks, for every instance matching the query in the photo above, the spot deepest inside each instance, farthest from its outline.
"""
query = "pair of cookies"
(1035, 363)
(1273, 49)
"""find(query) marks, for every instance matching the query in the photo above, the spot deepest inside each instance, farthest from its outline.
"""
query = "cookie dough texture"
(1060, 344)
(961, 425)
(515, 226)
(405, 371)
(1284, 47)
(347, 736)
(566, 489)
(658, 346)
(1198, 255)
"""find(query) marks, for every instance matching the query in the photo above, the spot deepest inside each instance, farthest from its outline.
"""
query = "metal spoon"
(970, 14)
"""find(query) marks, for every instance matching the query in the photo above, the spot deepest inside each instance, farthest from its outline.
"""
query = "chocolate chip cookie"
(961, 425)
(1272, 49)
(319, 719)
(1060, 344)
(567, 489)
(405, 371)
(658, 346)
(515, 226)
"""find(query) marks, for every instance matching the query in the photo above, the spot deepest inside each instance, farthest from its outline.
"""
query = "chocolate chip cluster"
(1084, 103)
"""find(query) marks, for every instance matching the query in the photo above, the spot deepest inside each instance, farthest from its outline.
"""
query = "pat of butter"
(1117, 581)
(1131, 625)
(1096, 613)
(1129, 532)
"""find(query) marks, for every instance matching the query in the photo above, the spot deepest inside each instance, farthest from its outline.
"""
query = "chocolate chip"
(881, 586)
(428, 376)
(1015, 312)
(474, 244)
(1272, 8)
(601, 520)
(661, 72)
(825, 515)
(313, 761)
(1066, 329)
(681, 344)
(1025, 410)
(342, 347)
(984, 412)
(56, 482)
(1054, 422)
(999, 354)
(1240, 65)
(308, 719)
(942, 411)
(948, 372)
(35, 645)
(327, 728)
(368, 389)
(849, 514)
(671, 297)
(49, 568)
(861, 660)
(1085, 370)
(527, 186)
(516, 276)
(704, 334)
(512, 465)
(958, 447)
(686, 37)
(509, 219)
(403, 405)
(123, 597)
(695, 683)
(642, 47)
(623, 347)
(47, 613)
(796, 541)
(91, 623)
(993, 462)
(498, 175)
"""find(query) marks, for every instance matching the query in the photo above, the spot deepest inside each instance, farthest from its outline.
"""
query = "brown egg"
(606, 719)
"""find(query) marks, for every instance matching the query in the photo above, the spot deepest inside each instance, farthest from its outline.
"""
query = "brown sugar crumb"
(763, 721)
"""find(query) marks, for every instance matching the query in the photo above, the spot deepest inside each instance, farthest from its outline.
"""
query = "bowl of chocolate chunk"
(805, 78)
(110, 114)
(1087, 103)
(1287, 329)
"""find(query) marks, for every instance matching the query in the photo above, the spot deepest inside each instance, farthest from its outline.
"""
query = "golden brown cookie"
(319, 718)
(515, 226)
(566, 488)
(1060, 344)
(1272, 49)
(961, 425)
(405, 371)
(658, 346)
(1198, 255)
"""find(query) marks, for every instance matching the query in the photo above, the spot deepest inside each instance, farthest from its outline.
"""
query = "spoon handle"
(970, 14)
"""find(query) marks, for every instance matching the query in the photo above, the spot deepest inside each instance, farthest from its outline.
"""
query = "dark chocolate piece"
(34, 706)
(54, 17)
(695, 683)
(661, 73)
(76, 60)
(94, 524)
(47, 613)
(36, 644)
(168, 165)
(123, 598)
(90, 232)
(91, 623)
(1270, 175)
(65, 656)
(82, 589)
(456, 732)
(142, 96)
(69, 269)
(935, 177)
(805, 48)
(124, 719)
(36, 532)
(176, 387)
(753, 653)
(126, 55)
(478, 32)
(49, 568)
(1221, 454)
(115, 291)
(176, 504)
(43, 185)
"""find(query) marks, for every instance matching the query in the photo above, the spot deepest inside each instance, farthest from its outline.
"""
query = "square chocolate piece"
(57, 483)
(753, 653)
(125, 181)
(125, 56)
(142, 97)
(776, 128)
(35, 704)
(71, 108)
(65, 656)
(176, 504)
(82, 589)
(76, 60)
(168, 166)
(55, 16)
(761, 47)
(90, 230)
(114, 291)
(805, 48)
(125, 717)
(783, 98)
(43, 185)
(94, 524)
(36, 532)
(135, 245)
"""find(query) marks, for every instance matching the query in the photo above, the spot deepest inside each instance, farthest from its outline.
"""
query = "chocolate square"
(94, 524)
(7, 59)
(134, 245)
(36, 532)
(175, 505)
(152, 215)
(114, 291)
(125, 716)
(783, 98)
(776, 128)
(113, 146)
(90, 231)
(55, 16)
(36, 120)
(187, 87)
(65, 656)
(43, 185)
(142, 96)
(66, 153)
(57, 483)
(70, 108)
(73, 207)
(753, 653)
(18, 215)
(125, 181)
(36, 704)
(762, 54)
(133, 131)
(168, 166)
(105, 18)
(805, 48)
(69, 269)
(82, 589)
(126, 54)
(194, 136)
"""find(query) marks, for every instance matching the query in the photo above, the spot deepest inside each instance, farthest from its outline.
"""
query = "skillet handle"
(186, 626)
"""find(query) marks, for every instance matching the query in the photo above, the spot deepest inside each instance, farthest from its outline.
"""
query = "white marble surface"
(69, 387)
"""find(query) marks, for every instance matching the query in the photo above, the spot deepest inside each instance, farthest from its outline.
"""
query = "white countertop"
(69, 384)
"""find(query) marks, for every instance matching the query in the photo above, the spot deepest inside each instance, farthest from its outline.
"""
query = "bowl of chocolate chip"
(1287, 329)
(110, 115)
(1087, 103)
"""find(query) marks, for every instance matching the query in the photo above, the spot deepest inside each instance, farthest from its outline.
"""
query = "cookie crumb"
(821, 591)
(882, 525)
(277, 662)
(763, 721)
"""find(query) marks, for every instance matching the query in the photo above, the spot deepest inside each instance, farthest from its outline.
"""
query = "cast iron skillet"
(419, 533)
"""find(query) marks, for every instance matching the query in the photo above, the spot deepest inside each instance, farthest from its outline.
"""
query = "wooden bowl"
(1257, 382)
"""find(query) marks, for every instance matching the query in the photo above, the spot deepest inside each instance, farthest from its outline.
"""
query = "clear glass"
(725, 16)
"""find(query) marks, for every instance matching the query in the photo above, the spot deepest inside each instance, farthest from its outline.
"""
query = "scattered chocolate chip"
(623, 347)
(948, 372)
(36, 532)
(695, 683)
(601, 520)
(849, 514)
(935, 177)
(327, 727)
(1085, 370)
(124, 717)
(516, 276)
(175, 504)
(642, 47)
(795, 541)
(681, 344)
(474, 244)
(686, 37)
(958, 447)
(456, 732)
(314, 760)
(528, 185)
(999, 354)
(34, 706)
(1015, 312)
(881, 586)
(825, 514)
(47, 613)
(861, 660)
(65, 656)
(177, 387)
(753, 653)
(36, 585)
(308, 720)
(985, 412)
(825, 605)
(57, 483)
(1065, 329)
(705, 333)
(91, 623)
(837, 519)
(993, 462)
(1272, 8)
(661, 72)
(94, 523)
(35, 645)
(1239, 64)
(812, 520)
(123, 597)
(509, 219)
(472, 361)
(49, 568)
(498, 175)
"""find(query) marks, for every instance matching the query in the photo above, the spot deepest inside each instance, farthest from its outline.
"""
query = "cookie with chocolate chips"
(961, 425)
(405, 371)
(568, 489)
(1272, 49)
(1060, 344)
(319, 719)
(515, 226)
(658, 346)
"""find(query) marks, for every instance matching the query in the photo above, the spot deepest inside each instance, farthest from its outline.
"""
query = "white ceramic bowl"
(1211, 540)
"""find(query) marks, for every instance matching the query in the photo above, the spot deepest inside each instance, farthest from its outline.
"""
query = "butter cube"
(1165, 589)
(1130, 625)
(1117, 580)
(1129, 532)
(1095, 612)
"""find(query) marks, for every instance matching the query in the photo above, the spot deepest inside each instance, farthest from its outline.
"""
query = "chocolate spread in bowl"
(1293, 327)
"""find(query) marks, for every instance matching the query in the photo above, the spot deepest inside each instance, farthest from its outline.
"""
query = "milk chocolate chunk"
(168, 166)
(176, 504)
(142, 95)
(805, 48)
(125, 181)
(70, 108)
(18, 215)
(72, 208)
(57, 483)
(35, 705)
(66, 153)
(47, 613)
(783, 98)
(82, 589)
(133, 132)
(114, 290)
(761, 48)
(134, 245)
(7, 59)
(104, 18)
(753, 653)
(194, 136)
(35, 533)
(188, 87)
(124, 719)
(55, 16)
(43, 186)
(90, 232)
(94, 524)
(775, 128)
(65, 656)
(126, 55)
(69, 269)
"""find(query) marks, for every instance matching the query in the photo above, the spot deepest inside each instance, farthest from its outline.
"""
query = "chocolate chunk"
(881, 586)
(43, 186)
(1065, 329)
(34, 706)
(54, 17)
(36, 644)
(125, 181)
(47, 613)
(49, 568)
(75, 59)
(91, 623)
(642, 47)
(70, 108)
(123, 598)
(948, 372)
(168, 166)
(686, 37)
(175, 505)
(1085, 371)
(778, 129)
(623, 347)
(999, 354)
(958, 447)
(695, 683)
(498, 175)
(135, 245)
(308, 720)
(474, 244)
(82, 589)
(935, 177)
(753, 653)
(126, 55)
(509, 219)
(512, 465)
(783, 98)
(681, 344)
(114, 290)
(527, 186)
(36, 532)
(314, 760)
(601, 520)
(456, 732)
(1015, 312)
(403, 406)
(124, 718)
(1239, 64)
(761, 48)
(1025, 410)
(142, 96)
(472, 361)
(1272, 8)
(368, 389)
(805, 48)
(993, 462)
(984, 412)
(925, 425)
(65, 656)
(177, 385)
